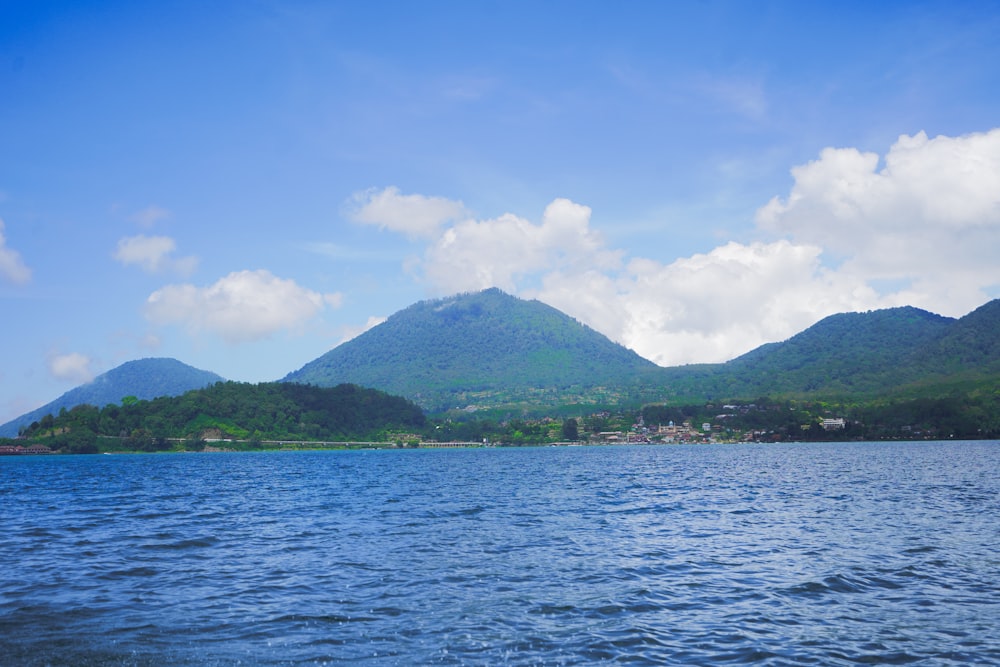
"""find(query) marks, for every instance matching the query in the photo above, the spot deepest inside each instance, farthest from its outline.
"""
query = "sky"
(242, 186)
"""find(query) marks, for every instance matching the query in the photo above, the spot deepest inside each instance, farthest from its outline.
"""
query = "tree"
(570, 430)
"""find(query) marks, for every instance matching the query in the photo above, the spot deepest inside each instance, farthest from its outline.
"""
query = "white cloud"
(922, 230)
(241, 307)
(353, 332)
(73, 367)
(474, 255)
(413, 215)
(149, 216)
(709, 307)
(930, 216)
(154, 254)
(12, 268)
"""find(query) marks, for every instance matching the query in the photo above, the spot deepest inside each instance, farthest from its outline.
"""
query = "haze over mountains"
(492, 351)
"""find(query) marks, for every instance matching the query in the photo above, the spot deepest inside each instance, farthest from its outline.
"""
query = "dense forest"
(493, 352)
(896, 353)
(484, 349)
(229, 411)
(496, 358)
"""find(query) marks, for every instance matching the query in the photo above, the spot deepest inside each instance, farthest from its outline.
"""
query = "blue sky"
(244, 185)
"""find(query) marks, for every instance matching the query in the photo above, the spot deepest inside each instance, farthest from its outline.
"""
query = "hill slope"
(864, 355)
(231, 410)
(144, 378)
(486, 348)
(845, 353)
(971, 344)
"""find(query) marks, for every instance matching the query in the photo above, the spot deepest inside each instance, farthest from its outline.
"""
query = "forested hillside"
(484, 349)
(229, 410)
(847, 353)
(493, 351)
(896, 352)
(495, 356)
(970, 346)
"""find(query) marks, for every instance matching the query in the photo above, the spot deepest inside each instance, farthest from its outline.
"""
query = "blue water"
(827, 554)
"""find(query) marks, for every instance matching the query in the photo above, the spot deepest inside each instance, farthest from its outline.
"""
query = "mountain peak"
(479, 346)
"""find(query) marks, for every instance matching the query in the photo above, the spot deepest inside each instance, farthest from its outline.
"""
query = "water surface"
(830, 554)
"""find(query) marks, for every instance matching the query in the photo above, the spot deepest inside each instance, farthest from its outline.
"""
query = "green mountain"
(892, 352)
(970, 345)
(144, 379)
(492, 350)
(845, 353)
(484, 349)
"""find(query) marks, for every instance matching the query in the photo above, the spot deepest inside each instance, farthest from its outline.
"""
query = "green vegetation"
(498, 355)
(898, 354)
(229, 411)
(277, 416)
(140, 379)
(486, 350)
(492, 368)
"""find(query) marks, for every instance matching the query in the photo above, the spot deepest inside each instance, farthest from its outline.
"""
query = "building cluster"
(8, 450)
(718, 429)
(670, 433)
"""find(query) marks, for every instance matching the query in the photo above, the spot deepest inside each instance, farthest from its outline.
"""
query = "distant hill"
(970, 345)
(249, 413)
(492, 350)
(896, 351)
(144, 378)
(483, 349)
(843, 353)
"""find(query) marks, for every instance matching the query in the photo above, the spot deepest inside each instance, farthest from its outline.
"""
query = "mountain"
(844, 353)
(492, 350)
(971, 344)
(483, 349)
(144, 378)
(895, 351)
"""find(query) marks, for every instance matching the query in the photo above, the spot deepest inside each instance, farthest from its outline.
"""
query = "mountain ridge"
(492, 351)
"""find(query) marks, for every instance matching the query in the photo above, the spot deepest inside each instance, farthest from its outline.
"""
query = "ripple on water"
(772, 555)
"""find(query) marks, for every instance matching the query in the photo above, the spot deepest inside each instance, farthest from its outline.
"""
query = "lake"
(790, 554)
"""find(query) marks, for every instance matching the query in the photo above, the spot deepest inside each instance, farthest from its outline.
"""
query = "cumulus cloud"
(73, 367)
(474, 254)
(417, 216)
(918, 227)
(154, 254)
(240, 307)
(12, 268)
(709, 307)
(929, 217)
